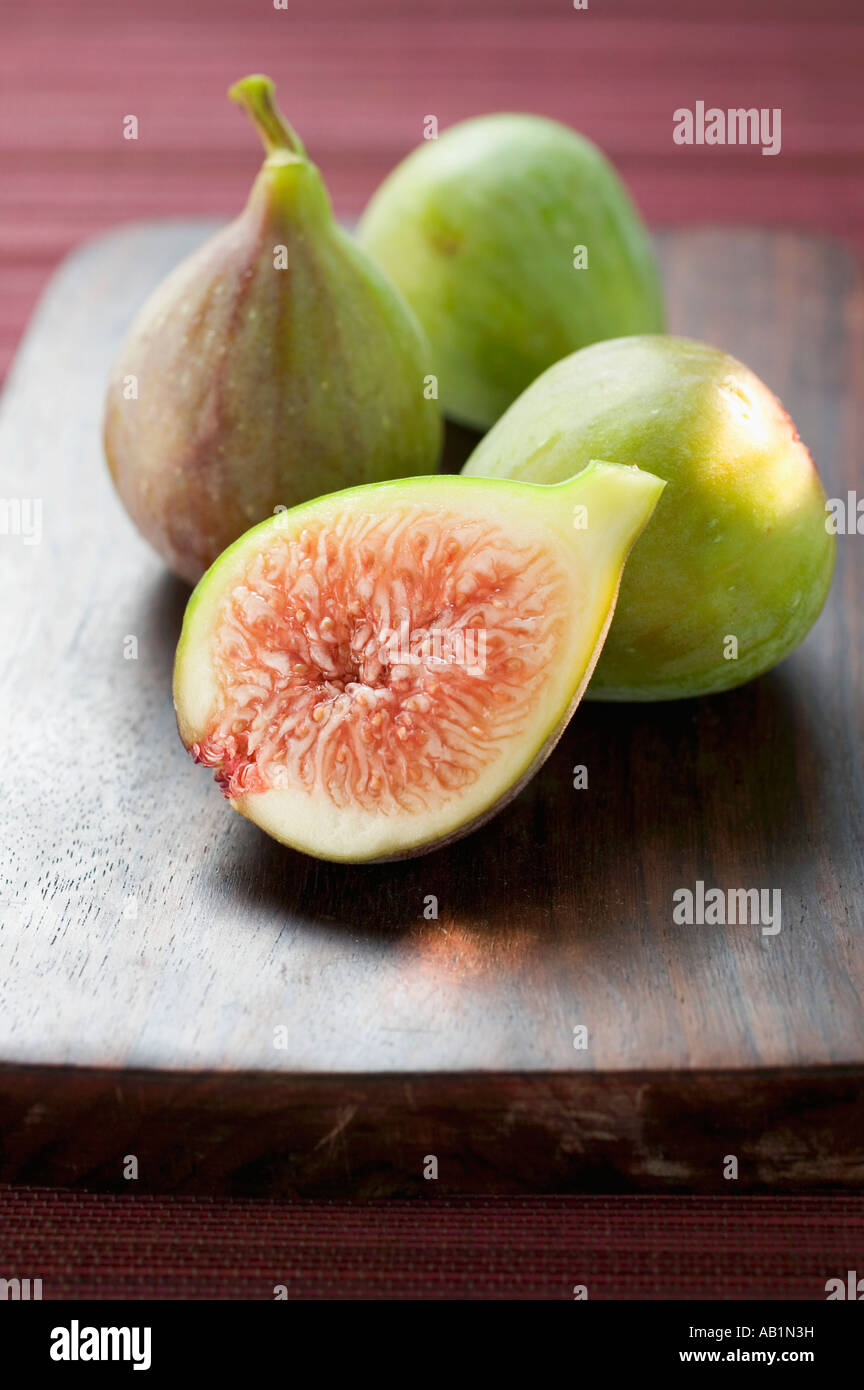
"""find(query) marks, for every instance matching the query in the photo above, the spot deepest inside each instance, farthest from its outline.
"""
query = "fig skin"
(260, 387)
(478, 230)
(738, 545)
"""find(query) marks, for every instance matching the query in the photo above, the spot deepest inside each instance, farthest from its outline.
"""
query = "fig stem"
(256, 95)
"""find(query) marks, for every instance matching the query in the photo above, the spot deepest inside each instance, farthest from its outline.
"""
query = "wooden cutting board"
(177, 987)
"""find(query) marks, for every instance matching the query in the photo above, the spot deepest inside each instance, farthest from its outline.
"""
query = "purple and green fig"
(515, 242)
(737, 562)
(275, 364)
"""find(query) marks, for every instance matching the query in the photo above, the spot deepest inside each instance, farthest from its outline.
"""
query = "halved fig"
(377, 672)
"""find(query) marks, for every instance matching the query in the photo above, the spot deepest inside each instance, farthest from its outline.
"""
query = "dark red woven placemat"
(94, 1246)
(357, 78)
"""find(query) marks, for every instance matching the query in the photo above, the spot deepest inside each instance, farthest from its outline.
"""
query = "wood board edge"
(306, 1136)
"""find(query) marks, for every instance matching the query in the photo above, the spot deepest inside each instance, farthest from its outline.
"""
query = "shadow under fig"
(460, 441)
(676, 792)
(162, 619)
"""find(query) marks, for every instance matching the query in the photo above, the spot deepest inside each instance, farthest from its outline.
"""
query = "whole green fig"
(275, 364)
(515, 242)
(737, 562)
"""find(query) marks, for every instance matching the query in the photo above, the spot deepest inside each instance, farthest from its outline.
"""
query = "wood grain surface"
(148, 930)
